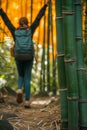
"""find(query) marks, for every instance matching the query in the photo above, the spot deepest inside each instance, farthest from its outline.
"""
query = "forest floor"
(44, 113)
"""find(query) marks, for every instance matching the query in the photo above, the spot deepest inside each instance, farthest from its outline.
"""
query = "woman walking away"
(24, 64)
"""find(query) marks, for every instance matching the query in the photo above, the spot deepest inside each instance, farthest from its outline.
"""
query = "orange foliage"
(17, 8)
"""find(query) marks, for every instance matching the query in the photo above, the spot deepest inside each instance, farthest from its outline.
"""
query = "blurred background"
(44, 74)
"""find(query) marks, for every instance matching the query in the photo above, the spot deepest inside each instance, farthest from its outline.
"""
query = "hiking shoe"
(27, 104)
(19, 97)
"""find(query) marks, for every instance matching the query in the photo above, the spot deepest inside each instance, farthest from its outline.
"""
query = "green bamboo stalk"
(43, 69)
(81, 71)
(37, 48)
(48, 49)
(85, 31)
(70, 62)
(44, 54)
(85, 22)
(61, 65)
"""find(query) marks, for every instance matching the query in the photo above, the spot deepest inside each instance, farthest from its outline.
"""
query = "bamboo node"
(64, 128)
(78, 3)
(70, 60)
(83, 100)
(60, 17)
(78, 38)
(83, 126)
(64, 120)
(59, 55)
(61, 90)
(68, 12)
(83, 69)
(73, 98)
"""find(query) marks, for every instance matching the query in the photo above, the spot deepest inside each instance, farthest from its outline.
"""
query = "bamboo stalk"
(31, 11)
(80, 64)
(84, 28)
(0, 3)
(70, 62)
(54, 86)
(7, 3)
(21, 8)
(48, 49)
(61, 65)
(26, 8)
(43, 68)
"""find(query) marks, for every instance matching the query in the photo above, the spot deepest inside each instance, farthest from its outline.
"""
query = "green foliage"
(8, 70)
(39, 73)
(7, 64)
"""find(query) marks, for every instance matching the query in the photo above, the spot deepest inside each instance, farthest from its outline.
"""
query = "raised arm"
(38, 18)
(7, 22)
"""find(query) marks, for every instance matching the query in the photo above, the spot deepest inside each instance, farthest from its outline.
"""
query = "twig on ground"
(44, 124)
(42, 128)
(28, 127)
(39, 122)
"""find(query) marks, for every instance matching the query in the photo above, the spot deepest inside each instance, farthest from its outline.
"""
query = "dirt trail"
(43, 115)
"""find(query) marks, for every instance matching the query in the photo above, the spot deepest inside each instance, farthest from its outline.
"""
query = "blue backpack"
(24, 46)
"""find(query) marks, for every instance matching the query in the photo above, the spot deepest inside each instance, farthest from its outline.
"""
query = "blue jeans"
(24, 69)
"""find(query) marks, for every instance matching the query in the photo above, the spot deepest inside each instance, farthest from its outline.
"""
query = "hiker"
(24, 67)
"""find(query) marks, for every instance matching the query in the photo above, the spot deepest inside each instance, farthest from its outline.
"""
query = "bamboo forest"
(59, 74)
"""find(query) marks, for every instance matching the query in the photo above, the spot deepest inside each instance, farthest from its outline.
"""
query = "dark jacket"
(33, 25)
